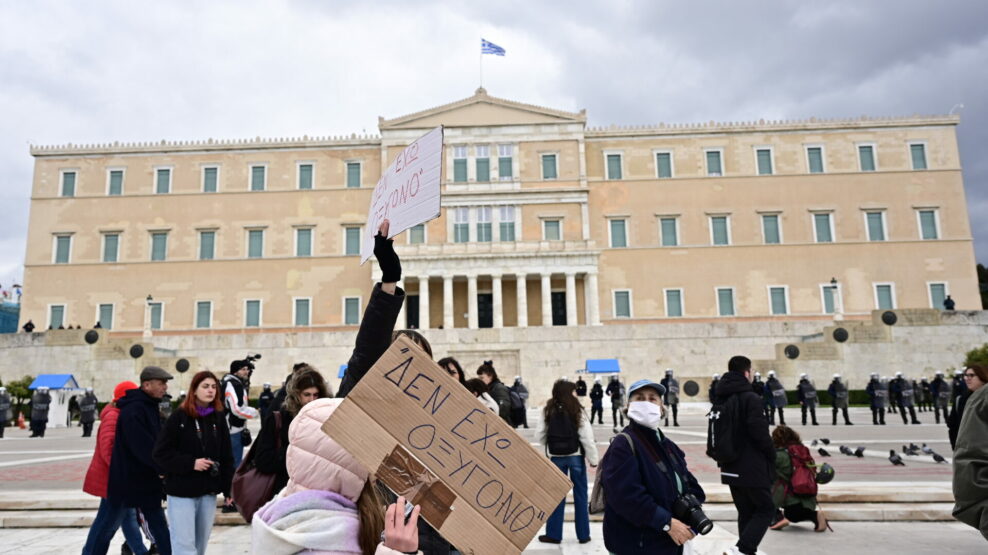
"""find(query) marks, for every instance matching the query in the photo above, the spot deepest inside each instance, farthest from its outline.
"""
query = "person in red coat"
(96, 479)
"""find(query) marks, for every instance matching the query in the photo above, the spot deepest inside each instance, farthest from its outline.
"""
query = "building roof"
(54, 381)
(479, 110)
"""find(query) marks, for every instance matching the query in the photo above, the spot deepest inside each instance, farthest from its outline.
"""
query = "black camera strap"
(199, 434)
(664, 466)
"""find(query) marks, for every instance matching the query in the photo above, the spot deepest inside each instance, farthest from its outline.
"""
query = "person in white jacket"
(330, 504)
(480, 391)
(567, 435)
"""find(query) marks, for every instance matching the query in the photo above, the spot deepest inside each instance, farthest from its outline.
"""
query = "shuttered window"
(163, 181)
(204, 314)
(63, 248)
(549, 166)
(353, 174)
(303, 242)
(210, 180)
(207, 245)
(884, 297)
(674, 303)
(116, 183)
(928, 224)
(252, 314)
(719, 230)
(622, 304)
(770, 229)
(663, 164)
(106, 316)
(714, 165)
(351, 309)
(255, 243)
(619, 235)
(866, 156)
(305, 176)
(301, 312)
(111, 244)
(815, 157)
(159, 246)
(725, 302)
(918, 152)
(670, 235)
(68, 184)
(258, 175)
(614, 166)
(778, 298)
(876, 226)
(352, 241)
(764, 156)
(821, 224)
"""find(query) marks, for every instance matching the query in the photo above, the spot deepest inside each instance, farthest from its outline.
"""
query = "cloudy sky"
(102, 71)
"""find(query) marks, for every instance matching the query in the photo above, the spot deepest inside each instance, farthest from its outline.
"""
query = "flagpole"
(481, 63)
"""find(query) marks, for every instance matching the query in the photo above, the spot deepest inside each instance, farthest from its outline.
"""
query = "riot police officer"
(838, 399)
(758, 386)
(165, 407)
(957, 386)
(4, 409)
(40, 404)
(924, 396)
(895, 394)
(940, 391)
(806, 394)
(905, 398)
(878, 392)
(264, 401)
(87, 412)
(777, 396)
(597, 401)
(671, 397)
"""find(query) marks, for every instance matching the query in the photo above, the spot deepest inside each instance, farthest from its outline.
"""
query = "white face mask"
(645, 413)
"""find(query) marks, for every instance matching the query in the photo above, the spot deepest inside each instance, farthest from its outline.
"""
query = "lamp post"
(147, 317)
(838, 302)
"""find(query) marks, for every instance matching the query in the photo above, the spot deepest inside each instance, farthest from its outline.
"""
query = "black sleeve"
(374, 336)
(226, 456)
(166, 454)
(268, 458)
(756, 426)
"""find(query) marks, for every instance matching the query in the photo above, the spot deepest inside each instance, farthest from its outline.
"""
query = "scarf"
(204, 411)
(313, 520)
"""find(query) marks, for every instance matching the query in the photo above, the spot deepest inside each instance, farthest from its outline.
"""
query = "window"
(63, 249)
(918, 152)
(163, 181)
(876, 225)
(258, 175)
(210, 179)
(674, 303)
(204, 314)
(351, 311)
(353, 174)
(725, 301)
(460, 164)
(814, 159)
(720, 232)
(207, 245)
(622, 304)
(619, 233)
(111, 244)
(252, 314)
(507, 225)
(884, 296)
(771, 234)
(938, 294)
(416, 235)
(115, 185)
(614, 166)
(56, 316)
(301, 310)
(255, 243)
(303, 241)
(157, 314)
(929, 224)
(351, 241)
(504, 159)
(484, 224)
(866, 157)
(105, 316)
(714, 164)
(829, 295)
(663, 165)
(68, 184)
(461, 225)
(483, 164)
(669, 231)
(764, 160)
(549, 169)
(305, 177)
(823, 227)
(779, 299)
(552, 230)
(159, 245)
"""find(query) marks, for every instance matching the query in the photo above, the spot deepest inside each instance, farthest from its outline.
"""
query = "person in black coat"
(499, 392)
(195, 454)
(264, 401)
(597, 401)
(87, 412)
(751, 475)
(581, 387)
(712, 392)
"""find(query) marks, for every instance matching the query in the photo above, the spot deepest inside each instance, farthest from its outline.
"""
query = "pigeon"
(846, 450)
(823, 452)
(895, 459)
(824, 441)
(914, 448)
(909, 451)
(859, 452)
(927, 450)
(938, 458)
(815, 442)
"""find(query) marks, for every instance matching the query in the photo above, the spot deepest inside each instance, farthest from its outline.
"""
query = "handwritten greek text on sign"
(408, 192)
(503, 489)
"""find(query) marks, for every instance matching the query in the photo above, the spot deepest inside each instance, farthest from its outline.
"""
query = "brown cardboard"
(502, 489)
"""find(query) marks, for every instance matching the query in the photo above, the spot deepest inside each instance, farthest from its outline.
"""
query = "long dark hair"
(475, 386)
(303, 379)
(564, 400)
(446, 361)
(189, 404)
(488, 368)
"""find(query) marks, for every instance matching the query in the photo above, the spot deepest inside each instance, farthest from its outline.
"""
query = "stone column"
(522, 301)
(402, 322)
(472, 302)
(571, 317)
(448, 302)
(497, 302)
(546, 300)
(592, 299)
(424, 302)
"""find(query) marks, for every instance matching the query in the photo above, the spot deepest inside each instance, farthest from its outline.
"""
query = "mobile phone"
(408, 511)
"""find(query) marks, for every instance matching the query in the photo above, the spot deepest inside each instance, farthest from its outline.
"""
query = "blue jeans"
(109, 517)
(236, 442)
(190, 520)
(577, 470)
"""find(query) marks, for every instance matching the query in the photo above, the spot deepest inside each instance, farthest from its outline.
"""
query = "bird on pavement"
(824, 441)
(815, 442)
(909, 451)
(846, 450)
(823, 452)
(927, 450)
(914, 448)
(895, 459)
(859, 452)
(938, 458)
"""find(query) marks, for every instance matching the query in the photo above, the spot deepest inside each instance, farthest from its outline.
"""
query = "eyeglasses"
(966, 375)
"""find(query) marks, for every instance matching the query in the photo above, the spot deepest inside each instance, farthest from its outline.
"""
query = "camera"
(214, 468)
(687, 509)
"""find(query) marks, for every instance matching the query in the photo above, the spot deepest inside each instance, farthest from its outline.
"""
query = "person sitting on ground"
(330, 504)
(499, 392)
(792, 507)
(479, 390)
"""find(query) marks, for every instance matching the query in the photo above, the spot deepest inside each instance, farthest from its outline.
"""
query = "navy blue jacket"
(134, 477)
(640, 495)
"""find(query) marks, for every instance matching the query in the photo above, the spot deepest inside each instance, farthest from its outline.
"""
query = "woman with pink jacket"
(330, 504)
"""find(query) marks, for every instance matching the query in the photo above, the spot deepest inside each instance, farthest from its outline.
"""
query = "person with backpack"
(738, 439)
(567, 435)
(597, 402)
(519, 398)
(795, 488)
(645, 480)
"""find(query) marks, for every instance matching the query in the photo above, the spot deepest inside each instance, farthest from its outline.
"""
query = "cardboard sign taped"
(480, 484)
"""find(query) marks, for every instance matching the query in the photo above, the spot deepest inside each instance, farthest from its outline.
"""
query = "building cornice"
(481, 96)
(207, 145)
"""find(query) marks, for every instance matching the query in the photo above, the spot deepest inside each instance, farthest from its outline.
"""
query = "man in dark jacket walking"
(751, 474)
(87, 412)
(135, 479)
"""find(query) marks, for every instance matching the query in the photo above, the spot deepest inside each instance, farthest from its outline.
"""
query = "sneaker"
(125, 550)
(547, 539)
(231, 508)
(153, 550)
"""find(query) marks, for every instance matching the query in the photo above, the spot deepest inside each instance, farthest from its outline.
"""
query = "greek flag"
(487, 47)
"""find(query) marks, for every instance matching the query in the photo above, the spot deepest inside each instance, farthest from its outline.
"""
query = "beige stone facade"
(544, 220)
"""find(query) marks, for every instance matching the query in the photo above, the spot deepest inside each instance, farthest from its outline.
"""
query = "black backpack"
(723, 423)
(516, 400)
(562, 436)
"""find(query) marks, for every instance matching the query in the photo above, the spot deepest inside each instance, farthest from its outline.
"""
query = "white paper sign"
(408, 192)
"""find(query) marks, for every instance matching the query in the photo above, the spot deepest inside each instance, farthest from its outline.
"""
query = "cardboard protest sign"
(408, 192)
(480, 484)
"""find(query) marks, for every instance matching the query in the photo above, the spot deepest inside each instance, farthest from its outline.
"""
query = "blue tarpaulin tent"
(54, 381)
(63, 388)
(603, 366)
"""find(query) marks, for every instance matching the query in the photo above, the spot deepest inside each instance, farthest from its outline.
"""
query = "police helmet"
(836, 376)
(898, 374)
(771, 373)
(668, 371)
(824, 474)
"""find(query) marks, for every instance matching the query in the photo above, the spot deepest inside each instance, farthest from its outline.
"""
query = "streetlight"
(147, 317)
(838, 308)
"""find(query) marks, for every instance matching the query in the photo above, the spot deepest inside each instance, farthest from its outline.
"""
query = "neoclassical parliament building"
(545, 222)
